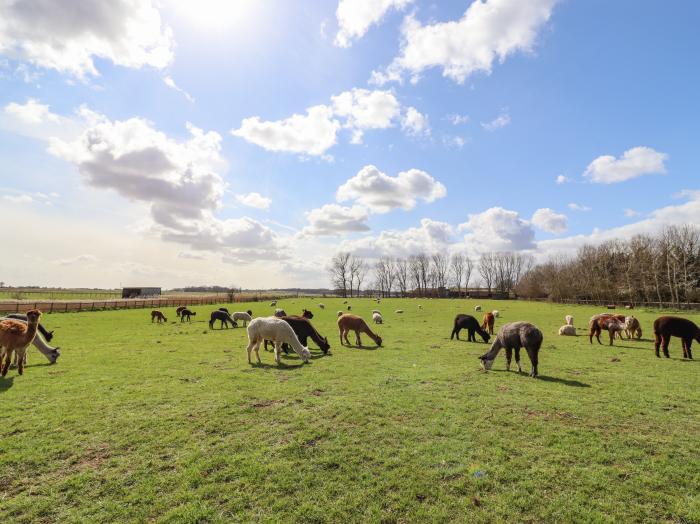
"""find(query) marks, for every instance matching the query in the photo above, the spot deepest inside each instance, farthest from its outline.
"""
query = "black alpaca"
(186, 313)
(222, 316)
(305, 330)
(472, 325)
(48, 335)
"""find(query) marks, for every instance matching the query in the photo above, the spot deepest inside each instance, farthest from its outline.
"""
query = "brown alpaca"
(179, 310)
(186, 314)
(609, 323)
(667, 327)
(349, 322)
(487, 323)
(17, 336)
(157, 315)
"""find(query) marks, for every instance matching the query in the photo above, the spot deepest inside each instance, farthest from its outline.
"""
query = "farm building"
(139, 292)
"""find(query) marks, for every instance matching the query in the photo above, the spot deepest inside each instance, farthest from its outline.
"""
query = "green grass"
(145, 422)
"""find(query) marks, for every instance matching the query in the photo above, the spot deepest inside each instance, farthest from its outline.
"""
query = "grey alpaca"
(511, 336)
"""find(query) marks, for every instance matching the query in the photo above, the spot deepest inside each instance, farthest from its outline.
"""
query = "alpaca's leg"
(8, 360)
(345, 334)
(657, 343)
(517, 360)
(532, 353)
(278, 348)
(509, 356)
(340, 334)
(21, 360)
(357, 338)
(664, 345)
(611, 333)
(257, 350)
(251, 343)
(690, 343)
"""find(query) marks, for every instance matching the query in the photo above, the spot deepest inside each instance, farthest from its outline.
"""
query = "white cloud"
(578, 207)
(634, 163)
(310, 134)
(178, 180)
(381, 193)
(432, 236)
(454, 141)
(498, 229)
(457, 119)
(550, 221)
(415, 123)
(629, 213)
(363, 109)
(86, 258)
(488, 31)
(18, 199)
(168, 81)
(356, 16)
(561, 179)
(255, 200)
(31, 112)
(332, 219)
(68, 37)
(500, 121)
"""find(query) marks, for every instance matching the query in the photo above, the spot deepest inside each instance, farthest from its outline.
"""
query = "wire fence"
(673, 306)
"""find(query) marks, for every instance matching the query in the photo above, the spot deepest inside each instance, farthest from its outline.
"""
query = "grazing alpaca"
(223, 317)
(569, 320)
(667, 327)
(277, 330)
(349, 322)
(341, 312)
(349, 307)
(477, 308)
(632, 328)
(186, 313)
(420, 307)
(225, 310)
(179, 310)
(496, 313)
(515, 336)
(15, 336)
(51, 353)
(279, 313)
(377, 317)
(307, 314)
(48, 335)
(322, 306)
(376, 311)
(304, 330)
(488, 321)
(472, 326)
(245, 316)
(568, 330)
(345, 301)
(273, 303)
(157, 315)
(609, 323)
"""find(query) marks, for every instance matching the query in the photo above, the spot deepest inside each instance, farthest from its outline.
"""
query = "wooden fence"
(673, 306)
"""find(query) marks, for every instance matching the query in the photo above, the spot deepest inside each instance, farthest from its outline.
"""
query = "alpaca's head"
(305, 355)
(33, 315)
(486, 363)
(324, 345)
(307, 314)
(378, 340)
(49, 336)
(250, 312)
(485, 336)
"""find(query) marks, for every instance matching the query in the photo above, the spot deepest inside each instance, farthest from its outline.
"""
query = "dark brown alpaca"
(186, 314)
(179, 310)
(157, 315)
(487, 323)
(667, 327)
(16, 335)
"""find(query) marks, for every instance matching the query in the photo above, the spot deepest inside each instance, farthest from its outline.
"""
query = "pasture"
(148, 422)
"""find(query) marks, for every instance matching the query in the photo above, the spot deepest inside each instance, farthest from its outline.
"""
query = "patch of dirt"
(193, 380)
(311, 443)
(317, 392)
(502, 388)
(476, 502)
(94, 458)
(266, 403)
(420, 497)
(615, 359)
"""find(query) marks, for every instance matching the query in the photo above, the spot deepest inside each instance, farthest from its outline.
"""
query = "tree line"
(646, 268)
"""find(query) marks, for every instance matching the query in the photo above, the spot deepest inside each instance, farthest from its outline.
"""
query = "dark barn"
(140, 292)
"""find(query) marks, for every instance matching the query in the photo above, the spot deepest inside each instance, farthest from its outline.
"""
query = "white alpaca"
(242, 315)
(420, 307)
(376, 311)
(399, 311)
(377, 317)
(279, 332)
(496, 313)
(273, 303)
(280, 312)
(322, 306)
(568, 330)
(569, 320)
(477, 308)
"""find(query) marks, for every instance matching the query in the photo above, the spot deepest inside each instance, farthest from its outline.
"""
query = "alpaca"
(345, 301)
(277, 330)
(322, 306)
(349, 322)
(496, 313)
(225, 310)
(632, 328)
(179, 310)
(157, 315)
(48, 335)
(303, 329)
(601, 322)
(420, 307)
(15, 336)
(488, 322)
(186, 313)
(477, 308)
(569, 320)
(307, 314)
(377, 317)
(472, 326)
(51, 353)
(349, 307)
(376, 311)
(514, 336)
(223, 317)
(279, 313)
(341, 313)
(245, 316)
(667, 327)
(273, 303)
(568, 330)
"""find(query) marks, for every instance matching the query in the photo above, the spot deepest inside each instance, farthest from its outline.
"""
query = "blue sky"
(179, 143)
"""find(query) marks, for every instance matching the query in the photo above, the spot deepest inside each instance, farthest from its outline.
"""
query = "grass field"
(145, 422)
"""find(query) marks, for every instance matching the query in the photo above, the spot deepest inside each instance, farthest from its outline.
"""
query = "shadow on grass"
(566, 382)
(366, 348)
(283, 366)
(6, 383)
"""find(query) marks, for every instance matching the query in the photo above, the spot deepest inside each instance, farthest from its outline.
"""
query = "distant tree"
(339, 272)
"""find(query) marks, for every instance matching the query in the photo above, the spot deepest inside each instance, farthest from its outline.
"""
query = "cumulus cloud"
(381, 193)
(68, 37)
(255, 200)
(561, 179)
(454, 141)
(500, 121)
(415, 123)
(178, 180)
(498, 229)
(31, 112)
(489, 31)
(356, 16)
(578, 207)
(362, 109)
(634, 163)
(431, 236)
(550, 221)
(333, 219)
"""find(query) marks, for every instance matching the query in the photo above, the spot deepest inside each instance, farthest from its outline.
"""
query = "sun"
(215, 15)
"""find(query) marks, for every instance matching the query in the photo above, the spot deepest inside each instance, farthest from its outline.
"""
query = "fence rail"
(677, 306)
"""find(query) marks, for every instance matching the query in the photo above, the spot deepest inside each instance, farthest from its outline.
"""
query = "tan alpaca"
(348, 322)
(17, 336)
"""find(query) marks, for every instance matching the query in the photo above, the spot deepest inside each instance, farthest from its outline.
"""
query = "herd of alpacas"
(283, 331)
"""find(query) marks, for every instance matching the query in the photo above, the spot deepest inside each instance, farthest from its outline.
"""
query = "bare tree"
(487, 269)
(457, 263)
(402, 272)
(358, 271)
(339, 271)
(440, 268)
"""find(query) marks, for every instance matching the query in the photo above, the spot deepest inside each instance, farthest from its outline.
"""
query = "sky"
(175, 143)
